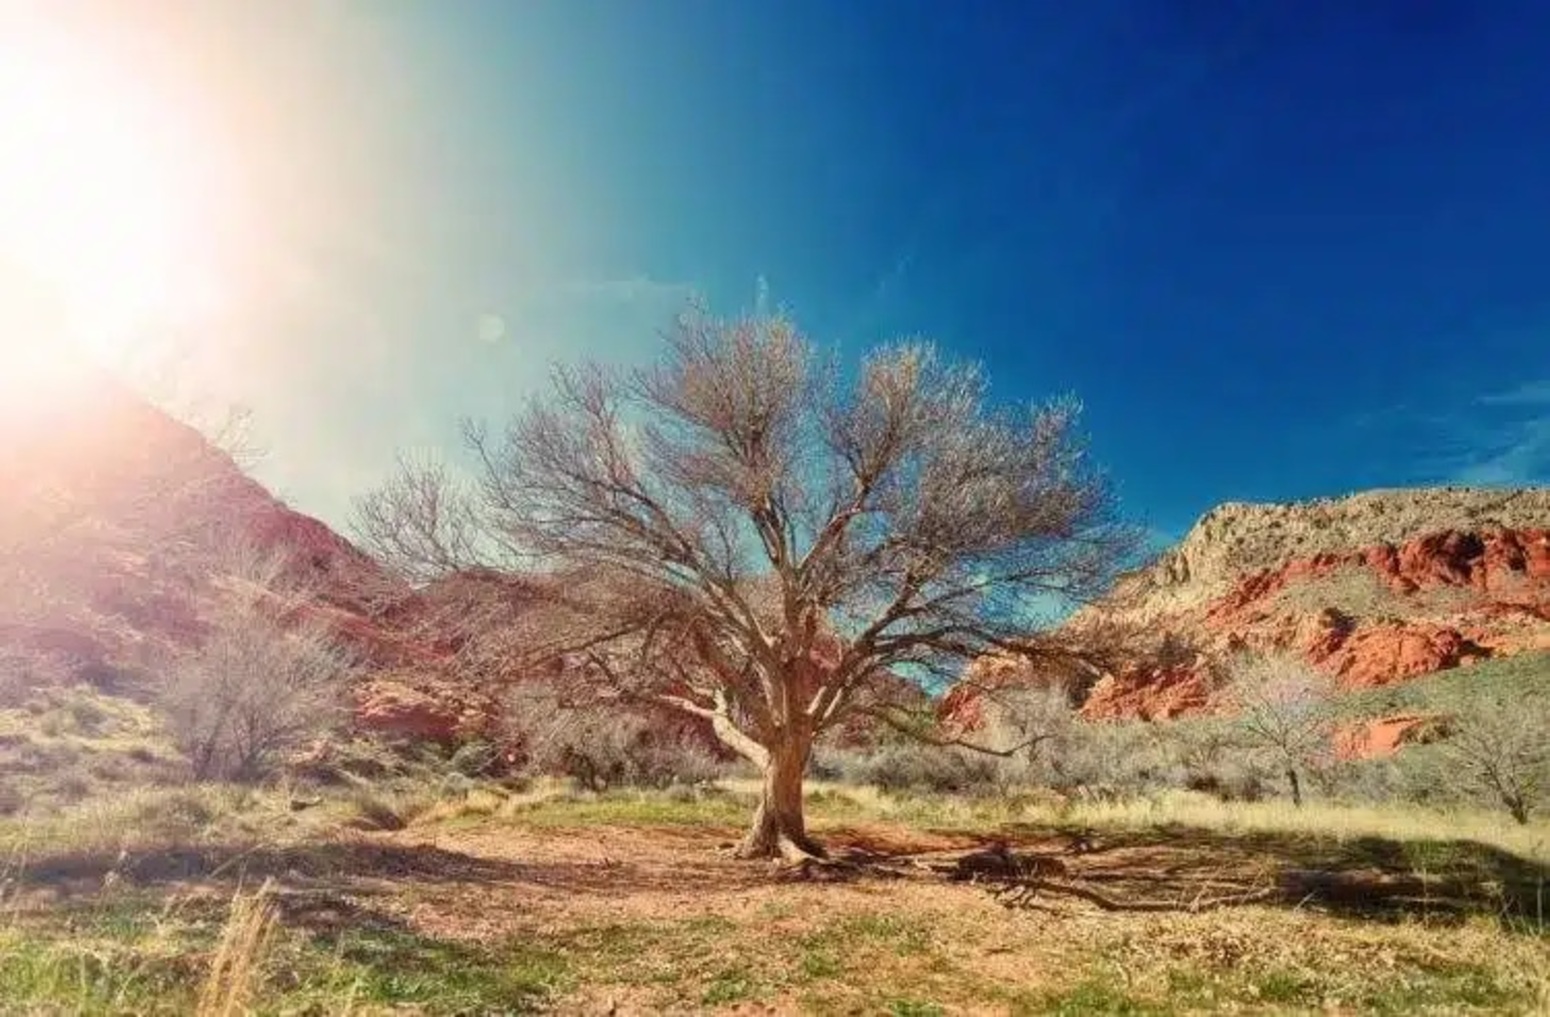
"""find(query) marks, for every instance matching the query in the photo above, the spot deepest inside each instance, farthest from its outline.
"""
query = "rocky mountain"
(1373, 588)
(120, 526)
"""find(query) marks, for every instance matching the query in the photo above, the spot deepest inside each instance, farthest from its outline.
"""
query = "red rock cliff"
(1375, 588)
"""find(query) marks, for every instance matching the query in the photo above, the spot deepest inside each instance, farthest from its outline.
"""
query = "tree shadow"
(1184, 868)
(248, 863)
(1171, 868)
(362, 867)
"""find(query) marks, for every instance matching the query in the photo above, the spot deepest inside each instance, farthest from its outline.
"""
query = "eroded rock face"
(424, 709)
(1382, 736)
(1374, 589)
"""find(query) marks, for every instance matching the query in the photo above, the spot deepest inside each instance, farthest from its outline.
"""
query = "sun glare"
(108, 203)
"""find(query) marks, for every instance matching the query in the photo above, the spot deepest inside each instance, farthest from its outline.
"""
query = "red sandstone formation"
(1374, 589)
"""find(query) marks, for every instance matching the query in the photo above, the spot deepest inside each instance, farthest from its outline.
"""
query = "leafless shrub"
(262, 682)
(600, 748)
(735, 536)
(254, 690)
(1285, 708)
(22, 670)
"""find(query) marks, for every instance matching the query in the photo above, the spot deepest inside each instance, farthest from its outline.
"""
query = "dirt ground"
(561, 911)
(663, 919)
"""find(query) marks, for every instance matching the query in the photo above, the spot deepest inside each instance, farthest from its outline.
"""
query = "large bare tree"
(743, 533)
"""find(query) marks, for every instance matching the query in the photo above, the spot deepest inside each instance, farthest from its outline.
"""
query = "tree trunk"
(779, 829)
(1291, 776)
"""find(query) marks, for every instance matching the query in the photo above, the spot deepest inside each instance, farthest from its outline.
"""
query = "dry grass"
(230, 983)
(1339, 822)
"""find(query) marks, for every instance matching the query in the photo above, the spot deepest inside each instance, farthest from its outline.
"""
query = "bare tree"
(1499, 745)
(735, 534)
(1285, 707)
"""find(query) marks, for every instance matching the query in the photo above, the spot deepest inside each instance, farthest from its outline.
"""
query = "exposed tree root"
(781, 847)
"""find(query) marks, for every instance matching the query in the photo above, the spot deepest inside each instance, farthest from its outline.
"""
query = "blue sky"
(1279, 250)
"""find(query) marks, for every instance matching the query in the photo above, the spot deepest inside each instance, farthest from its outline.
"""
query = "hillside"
(1375, 588)
(120, 527)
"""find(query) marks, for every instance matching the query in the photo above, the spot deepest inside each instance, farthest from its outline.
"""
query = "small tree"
(737, 535)
(1285, 707)
(1501, 747)
(262, 681)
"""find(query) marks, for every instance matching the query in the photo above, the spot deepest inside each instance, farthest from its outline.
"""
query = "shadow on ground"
(1174, 868)
(364, 863)
(1183, 868)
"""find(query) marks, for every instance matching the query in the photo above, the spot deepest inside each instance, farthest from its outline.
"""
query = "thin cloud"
(1523, 461)
(1506, 439)
(1532, 393)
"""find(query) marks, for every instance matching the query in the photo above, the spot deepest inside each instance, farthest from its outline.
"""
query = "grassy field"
(219, 901)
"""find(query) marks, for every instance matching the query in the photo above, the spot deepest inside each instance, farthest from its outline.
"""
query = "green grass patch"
(1095, 996)
(128, 957)
(912, 1008)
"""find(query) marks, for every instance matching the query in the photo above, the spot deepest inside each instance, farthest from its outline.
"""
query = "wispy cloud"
(1530, 393)
(1499, 438)
(1513, 431)
(1525, 461)
(1494, 438)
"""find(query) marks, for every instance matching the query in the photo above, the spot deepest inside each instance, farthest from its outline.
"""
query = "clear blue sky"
(1279, 250)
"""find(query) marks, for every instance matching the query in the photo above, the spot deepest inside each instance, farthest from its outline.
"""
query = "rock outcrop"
(1375, 588)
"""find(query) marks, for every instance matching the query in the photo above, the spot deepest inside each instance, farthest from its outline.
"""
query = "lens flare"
(108, 207)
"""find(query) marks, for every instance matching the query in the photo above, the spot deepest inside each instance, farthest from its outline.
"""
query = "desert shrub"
(1372, 781)
(476, 758)
(1125, 759)
(254, 691)
(87, 715)
(599, 747)
(910, 766)
(23, 670)
(1054, 749)
(347, 762)
(379, 810)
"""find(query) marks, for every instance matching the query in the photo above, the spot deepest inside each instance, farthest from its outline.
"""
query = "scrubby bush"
(254, 691)
(598, 747)
(477, 758)
(267, 678)
(22, 671)
(12, 799)
(910, 766)
(380, 810)
(1050, 747)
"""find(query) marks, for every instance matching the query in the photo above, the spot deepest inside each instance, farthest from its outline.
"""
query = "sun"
(108, 205)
